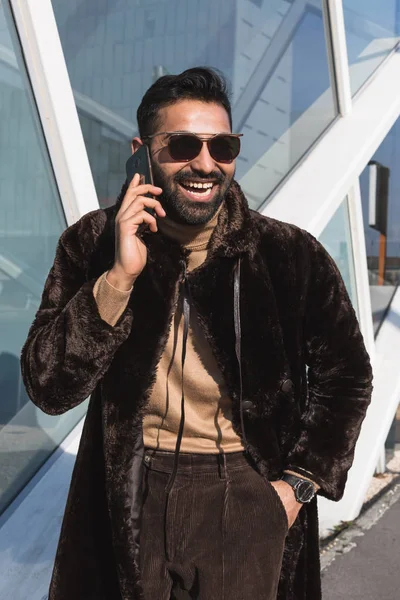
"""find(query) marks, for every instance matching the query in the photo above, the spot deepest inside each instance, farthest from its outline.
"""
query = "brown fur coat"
(295, 312)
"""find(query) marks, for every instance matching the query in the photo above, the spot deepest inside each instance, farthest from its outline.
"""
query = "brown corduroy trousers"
(218, 535)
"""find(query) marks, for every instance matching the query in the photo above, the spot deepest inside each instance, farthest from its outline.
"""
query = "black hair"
(199, 83)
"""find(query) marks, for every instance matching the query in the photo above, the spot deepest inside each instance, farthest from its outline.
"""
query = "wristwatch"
(304, 490)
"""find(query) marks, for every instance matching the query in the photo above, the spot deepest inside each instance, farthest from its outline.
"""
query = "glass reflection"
(336, 238)
(380, 190)
(372, 31)
(273, 53)
(31, 222)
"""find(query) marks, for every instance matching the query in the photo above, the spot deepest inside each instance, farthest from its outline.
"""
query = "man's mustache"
(213, 177)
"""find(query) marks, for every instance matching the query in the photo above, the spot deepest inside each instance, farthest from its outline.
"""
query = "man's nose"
(204, 162)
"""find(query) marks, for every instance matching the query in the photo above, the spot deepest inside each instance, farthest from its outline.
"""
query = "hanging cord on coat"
(186, 317)
(238, 337)
(238, 333)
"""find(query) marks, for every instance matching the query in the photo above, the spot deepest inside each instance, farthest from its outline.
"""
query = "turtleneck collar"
(234, 233)
(191, 237)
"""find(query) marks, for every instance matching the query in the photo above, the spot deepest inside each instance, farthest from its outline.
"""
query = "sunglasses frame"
(205, 138)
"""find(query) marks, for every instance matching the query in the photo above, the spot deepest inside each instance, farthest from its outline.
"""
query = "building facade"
(316, 92)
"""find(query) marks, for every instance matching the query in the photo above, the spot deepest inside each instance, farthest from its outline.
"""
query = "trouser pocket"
(278, 503)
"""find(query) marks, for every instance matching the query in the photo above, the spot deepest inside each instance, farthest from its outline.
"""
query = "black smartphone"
(140, 163)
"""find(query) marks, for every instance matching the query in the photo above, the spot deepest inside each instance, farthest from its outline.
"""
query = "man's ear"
(135, 144)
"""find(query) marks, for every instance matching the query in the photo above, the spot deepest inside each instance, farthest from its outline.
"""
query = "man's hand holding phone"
(130, 251)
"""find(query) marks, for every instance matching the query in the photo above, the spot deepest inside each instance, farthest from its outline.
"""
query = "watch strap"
(294, 482)
(306, 475)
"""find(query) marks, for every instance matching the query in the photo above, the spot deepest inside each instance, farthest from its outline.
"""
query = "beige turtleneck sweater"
(208, 418)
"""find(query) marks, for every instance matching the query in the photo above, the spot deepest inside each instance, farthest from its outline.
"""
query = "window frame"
(45, 63)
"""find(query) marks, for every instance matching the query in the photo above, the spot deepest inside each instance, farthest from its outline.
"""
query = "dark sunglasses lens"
(184, 147)
(224, 148)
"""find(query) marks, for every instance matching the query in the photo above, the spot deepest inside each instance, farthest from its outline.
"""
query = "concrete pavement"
(366, 563)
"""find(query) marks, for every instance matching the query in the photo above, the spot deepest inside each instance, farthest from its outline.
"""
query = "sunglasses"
(183, 146)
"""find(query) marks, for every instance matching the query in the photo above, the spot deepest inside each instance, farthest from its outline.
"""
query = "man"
(191, 329)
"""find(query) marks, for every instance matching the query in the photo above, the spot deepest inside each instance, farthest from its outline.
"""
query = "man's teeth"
(199, 185)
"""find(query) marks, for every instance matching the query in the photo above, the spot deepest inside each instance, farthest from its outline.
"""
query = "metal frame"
(361, 267)
(51, 86)
(335, 18)
(340, 155)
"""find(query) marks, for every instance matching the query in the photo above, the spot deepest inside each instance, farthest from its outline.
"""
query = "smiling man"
(206, 439)
(192, 190)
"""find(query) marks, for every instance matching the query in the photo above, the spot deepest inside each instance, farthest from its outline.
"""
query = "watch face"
(305, 491)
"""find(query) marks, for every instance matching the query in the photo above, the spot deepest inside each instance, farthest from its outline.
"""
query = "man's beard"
(179, 208)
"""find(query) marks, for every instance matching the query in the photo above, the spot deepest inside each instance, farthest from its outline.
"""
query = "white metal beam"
(375, 428)
(361, 267)
(312, 193)
(85, 104)
(339, 56)
(51, 86)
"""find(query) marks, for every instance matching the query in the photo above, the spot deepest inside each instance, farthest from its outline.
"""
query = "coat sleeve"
(339, 379)
(69, 346)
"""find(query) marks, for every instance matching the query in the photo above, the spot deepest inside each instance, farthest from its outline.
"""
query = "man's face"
(183, 203)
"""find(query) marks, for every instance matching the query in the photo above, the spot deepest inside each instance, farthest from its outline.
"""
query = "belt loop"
(223, 467)
(238, 342)
(219, 465)
(226, 476)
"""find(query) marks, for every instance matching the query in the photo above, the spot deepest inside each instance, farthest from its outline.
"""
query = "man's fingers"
(138, 218)
(137, 189)
(138, 204)
(144, 188)
(135, 181)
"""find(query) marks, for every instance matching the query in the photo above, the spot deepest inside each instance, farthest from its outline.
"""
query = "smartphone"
(140, 163)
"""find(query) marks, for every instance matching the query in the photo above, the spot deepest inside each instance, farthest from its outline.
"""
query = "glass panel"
(336, 238)
(372, 31)
(31, 222)
(273, 53)
(380, 191)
